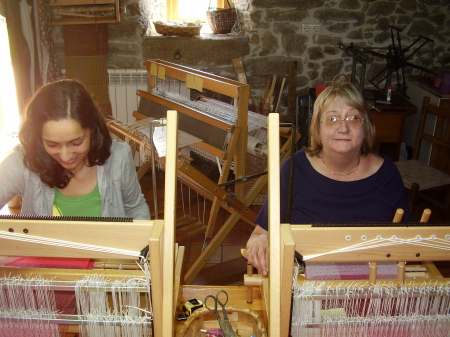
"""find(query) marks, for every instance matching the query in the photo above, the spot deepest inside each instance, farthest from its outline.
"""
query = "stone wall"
(270, 37)
(276, 37)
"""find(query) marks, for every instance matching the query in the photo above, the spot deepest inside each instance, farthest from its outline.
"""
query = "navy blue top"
(317, 198)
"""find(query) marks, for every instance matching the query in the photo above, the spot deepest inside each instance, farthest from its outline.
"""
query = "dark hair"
(63, 99)
(351, 96)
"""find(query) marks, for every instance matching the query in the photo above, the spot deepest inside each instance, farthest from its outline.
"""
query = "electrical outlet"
(311, 28)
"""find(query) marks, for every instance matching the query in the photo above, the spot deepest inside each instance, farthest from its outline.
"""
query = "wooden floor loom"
(112, 299)
(227, 133)
(369, 307)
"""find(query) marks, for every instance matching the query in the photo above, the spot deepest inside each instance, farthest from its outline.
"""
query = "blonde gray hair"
(351, 96)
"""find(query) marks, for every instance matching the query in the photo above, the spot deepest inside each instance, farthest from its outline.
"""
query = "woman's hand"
(258, 250)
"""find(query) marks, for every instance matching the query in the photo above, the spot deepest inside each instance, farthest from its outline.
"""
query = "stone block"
(214, 50)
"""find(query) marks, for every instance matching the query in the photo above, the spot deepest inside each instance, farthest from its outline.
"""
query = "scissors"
(224, 323)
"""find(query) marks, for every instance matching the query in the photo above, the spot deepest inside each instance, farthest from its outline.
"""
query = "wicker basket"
(245, 322)
(178, 30)
(221, 20)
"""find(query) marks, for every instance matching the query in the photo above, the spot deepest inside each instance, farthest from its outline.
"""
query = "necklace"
(341, 174)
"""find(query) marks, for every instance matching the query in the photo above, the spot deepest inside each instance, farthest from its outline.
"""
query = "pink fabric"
(52, 262)
(348, 271)
(65, 303)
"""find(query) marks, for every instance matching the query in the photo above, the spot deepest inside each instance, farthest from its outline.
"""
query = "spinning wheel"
(397, 58)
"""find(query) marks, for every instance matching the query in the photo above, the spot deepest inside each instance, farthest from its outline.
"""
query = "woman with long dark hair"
(66, 163)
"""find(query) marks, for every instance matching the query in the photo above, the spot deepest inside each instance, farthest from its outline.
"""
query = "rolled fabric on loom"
(256, 147)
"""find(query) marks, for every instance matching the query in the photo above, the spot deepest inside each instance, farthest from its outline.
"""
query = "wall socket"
(311, 28)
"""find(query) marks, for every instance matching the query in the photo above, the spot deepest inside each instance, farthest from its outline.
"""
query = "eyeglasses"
(352, 121)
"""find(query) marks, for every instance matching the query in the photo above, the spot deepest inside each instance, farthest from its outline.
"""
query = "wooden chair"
(419, 176)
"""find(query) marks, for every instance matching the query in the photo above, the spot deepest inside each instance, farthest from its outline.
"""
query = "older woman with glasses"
(337, 178)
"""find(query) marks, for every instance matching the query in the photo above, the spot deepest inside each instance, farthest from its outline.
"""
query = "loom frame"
(237, 148)
(238, 203)
(302, 237)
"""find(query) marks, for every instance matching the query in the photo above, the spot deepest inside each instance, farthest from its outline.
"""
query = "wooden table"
(389, 120)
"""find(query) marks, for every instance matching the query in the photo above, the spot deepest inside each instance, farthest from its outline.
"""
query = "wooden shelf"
(79, 12)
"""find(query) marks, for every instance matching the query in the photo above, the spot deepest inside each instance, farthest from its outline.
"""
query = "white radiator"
(123, 85)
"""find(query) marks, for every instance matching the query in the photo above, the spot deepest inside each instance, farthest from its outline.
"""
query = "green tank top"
(86, 205)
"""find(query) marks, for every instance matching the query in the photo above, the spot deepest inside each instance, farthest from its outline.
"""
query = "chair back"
(433, 132)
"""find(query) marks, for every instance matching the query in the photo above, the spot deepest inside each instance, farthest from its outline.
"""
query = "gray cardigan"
(118, 185)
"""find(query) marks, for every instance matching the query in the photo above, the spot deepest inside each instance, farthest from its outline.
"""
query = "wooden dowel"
(169, 225)
(373, 272)
(238, 66)
(398, 215)
(272, 88)
(292, 90)
(401, 273)
(249, 273)
(279, 94)
(274, 225)
(425, 215)
(249, 288)
(266, 89)
(116, 128)
(115, 266)
(256, 280)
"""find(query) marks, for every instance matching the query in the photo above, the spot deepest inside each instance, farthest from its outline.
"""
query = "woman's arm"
(11, 177)
(133, 199)
(258, 250)
(258, 243)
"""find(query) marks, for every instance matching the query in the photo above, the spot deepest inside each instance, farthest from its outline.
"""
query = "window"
(9, 112)
(184, 10)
